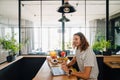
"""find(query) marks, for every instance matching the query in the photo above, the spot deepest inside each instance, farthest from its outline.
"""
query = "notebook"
(56, 70)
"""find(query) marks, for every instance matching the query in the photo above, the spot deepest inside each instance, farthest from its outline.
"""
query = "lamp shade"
(66, 8)
(63, 19)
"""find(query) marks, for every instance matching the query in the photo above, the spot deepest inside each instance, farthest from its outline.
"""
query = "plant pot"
(107, 53)
(97, 52)
(10, 58)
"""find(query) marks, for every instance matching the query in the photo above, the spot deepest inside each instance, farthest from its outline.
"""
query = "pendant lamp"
(66, 8)
(64, 19)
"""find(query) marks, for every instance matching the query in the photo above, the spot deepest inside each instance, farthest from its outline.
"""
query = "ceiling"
(94, 10)
(31, 10)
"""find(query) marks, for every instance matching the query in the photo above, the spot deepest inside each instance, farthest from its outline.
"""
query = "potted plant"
(11, 45)
(101, 46)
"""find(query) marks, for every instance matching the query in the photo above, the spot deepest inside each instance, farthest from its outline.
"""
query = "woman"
(85, 59)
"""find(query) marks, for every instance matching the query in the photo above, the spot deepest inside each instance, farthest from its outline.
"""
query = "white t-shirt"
(87, 58)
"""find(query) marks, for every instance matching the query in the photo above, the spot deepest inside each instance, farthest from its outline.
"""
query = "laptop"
(56, 70)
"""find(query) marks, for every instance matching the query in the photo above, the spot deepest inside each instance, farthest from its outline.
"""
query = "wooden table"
(45, 74)
(112, 61)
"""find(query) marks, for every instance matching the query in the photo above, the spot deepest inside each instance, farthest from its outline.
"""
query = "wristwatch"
(70, 72)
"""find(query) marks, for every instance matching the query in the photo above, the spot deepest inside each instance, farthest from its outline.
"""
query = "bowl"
(54, 61)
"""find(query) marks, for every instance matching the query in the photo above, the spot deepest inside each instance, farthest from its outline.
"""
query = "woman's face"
(76, 41)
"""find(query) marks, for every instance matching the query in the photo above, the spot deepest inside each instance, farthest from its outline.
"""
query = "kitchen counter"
(112, 61)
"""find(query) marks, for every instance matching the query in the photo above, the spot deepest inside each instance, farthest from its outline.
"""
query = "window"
(43, 27)
(8, 22)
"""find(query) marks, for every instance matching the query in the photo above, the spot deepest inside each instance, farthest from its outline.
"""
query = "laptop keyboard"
(57, 71)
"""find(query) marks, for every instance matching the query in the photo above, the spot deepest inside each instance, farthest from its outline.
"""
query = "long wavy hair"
(84, 43)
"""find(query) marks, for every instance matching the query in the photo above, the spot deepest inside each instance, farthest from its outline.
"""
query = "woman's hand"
(64, 63)
(74, 45)
(64, 67)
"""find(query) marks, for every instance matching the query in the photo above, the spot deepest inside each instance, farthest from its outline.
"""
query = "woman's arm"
(72, 62)
(85, 74)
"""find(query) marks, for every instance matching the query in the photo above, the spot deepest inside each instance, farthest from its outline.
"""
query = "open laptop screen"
(56, 69)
